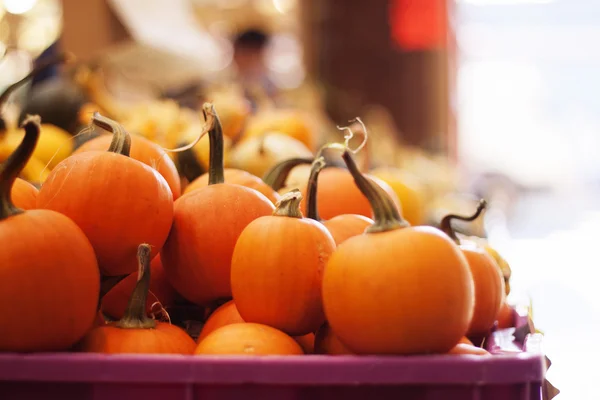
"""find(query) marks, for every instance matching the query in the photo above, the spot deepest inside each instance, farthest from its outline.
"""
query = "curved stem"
(278, 174)
(59, 59)
(312, 210)
(289, 205)
(121, 141)
(12, 167)
(135, 315)
(446, 223)
(386, 214)
(216, 168)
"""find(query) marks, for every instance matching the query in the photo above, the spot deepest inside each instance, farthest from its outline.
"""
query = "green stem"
(121, 141)
(135, 315)
(446, 223)
(216, 168)
(289, 205)
(12, 167)
(278, 174)
(386, 214)
(312, 210)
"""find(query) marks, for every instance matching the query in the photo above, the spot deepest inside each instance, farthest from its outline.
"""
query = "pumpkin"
(326, 342)
(207, 223)
(228, 314)
(502, 263)
(161, 291)
(144, 151)
(465, 340)
(49, 274)
(135, 332)
(281, 287)
(506, 316)
(409, 190)
(24, 194)
(487, 276)
(341, 227)
(54, 144)
(234, 110)
(282, 174)
(258, 154)
(396, 289)
(117, 201)
(288, 122)
(238, 177)
(248, 339)
(469, 349)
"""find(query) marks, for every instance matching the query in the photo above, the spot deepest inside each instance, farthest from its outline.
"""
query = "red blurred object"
(419, 24)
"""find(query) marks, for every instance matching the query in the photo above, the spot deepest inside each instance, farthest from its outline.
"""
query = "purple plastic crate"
(517, 375)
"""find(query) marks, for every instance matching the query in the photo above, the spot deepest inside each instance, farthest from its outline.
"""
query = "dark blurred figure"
(249, 58)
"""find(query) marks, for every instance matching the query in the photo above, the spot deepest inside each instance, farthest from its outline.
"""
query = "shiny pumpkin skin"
(206, 225)
(405, 291)
(24, 194)
(248, 339)
(281, 286)
(117, 201)
(489, 289)
(145, 151)
(339, 195)
(238, 177)
(115, 301)
(51, 282)
(224, 315)
(163, 339)
(326, 342)
(345, 226)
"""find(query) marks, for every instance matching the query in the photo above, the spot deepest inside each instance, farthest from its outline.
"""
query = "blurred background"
(492, 98)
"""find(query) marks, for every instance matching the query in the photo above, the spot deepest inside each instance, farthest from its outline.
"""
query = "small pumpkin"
(286, 121)
(117, 201)
(49, 274)
(24, 194)
(248, 339)
(144, 151)
(207, 223)
(258, 154)
(115, 301)
(468, 349)
(487, 276)
(506, 316)
(341, 227)
(136, 332)
(238, 177)
(281, 287)
(307, 342)
(382, 291)
(326, 342)
(409, 190)
(53, 146)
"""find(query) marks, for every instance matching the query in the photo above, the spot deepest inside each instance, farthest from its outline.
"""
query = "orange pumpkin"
(307, 342)
(24, 194)
(144, 151)
(339, 195)
(50, 278)
(207, 223)
(281, 287)
(341, 227)
(487, 276)
(326, 342)
(469, 349)
(115, 301)
(384, 289)
(117, 201)
(248, 339)
(465, 340)
(135, 332)
(506, 316)
(238, 177)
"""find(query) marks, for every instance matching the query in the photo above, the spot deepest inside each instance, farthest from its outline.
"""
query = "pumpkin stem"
(121, 141)
(216, 168)
(278, 174)
(12, 167)
(386, 214)
(289, 205)
(59, 59)
(446, 223)
(135, 315)
(312, 211)
(364, 145)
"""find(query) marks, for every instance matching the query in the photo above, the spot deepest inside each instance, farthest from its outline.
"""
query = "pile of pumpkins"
(314, 258)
